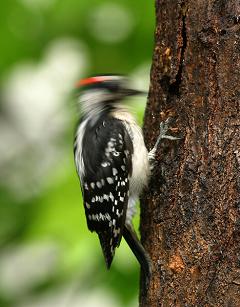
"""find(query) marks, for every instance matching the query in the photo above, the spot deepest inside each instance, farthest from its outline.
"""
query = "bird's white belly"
(140, 171)
(140, 163)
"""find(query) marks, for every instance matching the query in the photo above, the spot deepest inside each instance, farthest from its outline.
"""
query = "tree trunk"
(190, 215)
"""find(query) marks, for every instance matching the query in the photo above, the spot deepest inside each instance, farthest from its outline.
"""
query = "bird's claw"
(164, 127)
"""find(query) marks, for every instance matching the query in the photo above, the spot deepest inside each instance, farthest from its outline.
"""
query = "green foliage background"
(47, 255)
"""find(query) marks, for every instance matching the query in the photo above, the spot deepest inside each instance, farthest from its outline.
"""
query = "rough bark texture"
(190, 220)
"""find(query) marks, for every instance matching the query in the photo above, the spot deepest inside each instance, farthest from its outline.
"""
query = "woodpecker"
(112, 162)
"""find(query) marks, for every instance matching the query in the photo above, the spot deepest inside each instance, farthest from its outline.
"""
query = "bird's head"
(104, 89)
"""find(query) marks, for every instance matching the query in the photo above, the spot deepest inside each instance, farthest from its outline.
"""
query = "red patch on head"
(92, 80)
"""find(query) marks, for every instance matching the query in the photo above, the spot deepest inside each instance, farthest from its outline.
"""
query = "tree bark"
(190, 215)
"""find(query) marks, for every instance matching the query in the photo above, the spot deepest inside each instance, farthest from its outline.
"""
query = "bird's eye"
(113, 86)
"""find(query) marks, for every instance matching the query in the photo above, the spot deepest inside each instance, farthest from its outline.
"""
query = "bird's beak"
(132, 92)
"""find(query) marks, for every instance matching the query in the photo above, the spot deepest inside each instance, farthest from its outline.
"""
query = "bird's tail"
(138, 250)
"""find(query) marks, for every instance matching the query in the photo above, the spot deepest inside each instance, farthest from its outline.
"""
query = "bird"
(112, 162)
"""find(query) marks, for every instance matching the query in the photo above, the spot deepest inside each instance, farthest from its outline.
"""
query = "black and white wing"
(106, 149)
